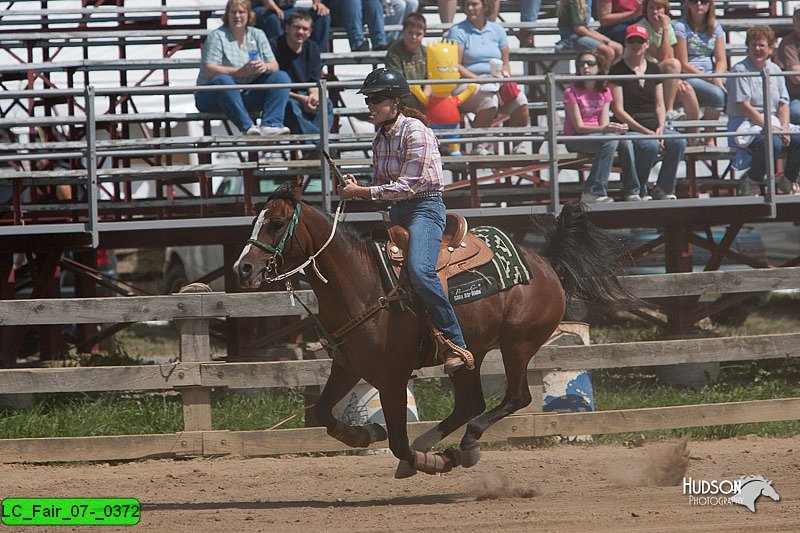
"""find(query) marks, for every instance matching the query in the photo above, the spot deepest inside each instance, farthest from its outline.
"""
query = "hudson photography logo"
(743, 491)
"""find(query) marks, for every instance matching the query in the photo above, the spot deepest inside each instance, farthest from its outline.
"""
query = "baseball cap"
(636, 30)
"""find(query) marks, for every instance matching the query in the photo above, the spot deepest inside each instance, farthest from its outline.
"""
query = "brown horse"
(384, 348)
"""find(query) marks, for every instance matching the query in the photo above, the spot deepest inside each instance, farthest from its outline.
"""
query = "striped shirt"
(405, 161)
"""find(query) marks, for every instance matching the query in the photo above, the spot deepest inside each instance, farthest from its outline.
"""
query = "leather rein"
(277, 252)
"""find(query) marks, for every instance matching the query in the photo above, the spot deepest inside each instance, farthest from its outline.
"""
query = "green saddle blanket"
(506, 269)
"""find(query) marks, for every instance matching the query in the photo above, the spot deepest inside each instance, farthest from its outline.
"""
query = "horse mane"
(747, 479)
(285, 191)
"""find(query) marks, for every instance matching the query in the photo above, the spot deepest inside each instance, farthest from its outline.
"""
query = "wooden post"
(195, 347)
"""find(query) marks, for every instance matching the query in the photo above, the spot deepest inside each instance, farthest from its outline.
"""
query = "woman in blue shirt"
(480, 40)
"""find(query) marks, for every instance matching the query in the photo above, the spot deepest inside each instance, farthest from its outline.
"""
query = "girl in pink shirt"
(587, 103)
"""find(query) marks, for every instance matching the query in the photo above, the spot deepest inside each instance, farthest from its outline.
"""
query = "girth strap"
(382, 302)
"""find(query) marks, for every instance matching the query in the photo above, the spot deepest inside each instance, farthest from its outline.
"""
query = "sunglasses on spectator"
(635, 40)
(587, 62)
(375, 100)
(699, 1)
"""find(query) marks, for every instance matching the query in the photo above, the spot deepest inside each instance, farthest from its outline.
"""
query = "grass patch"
(67, 415)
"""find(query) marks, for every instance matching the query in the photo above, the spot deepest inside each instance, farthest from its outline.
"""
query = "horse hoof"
(376, 433)
(404, 470)
(470, 456)
(432, 463)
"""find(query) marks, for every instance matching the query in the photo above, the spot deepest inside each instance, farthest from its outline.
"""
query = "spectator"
(447, 10)
(616, 15)
(529, 12)
(395, 12)
(573, 20)
(701, 50)
(662, 38)
(271, 16)
(298, 56)
(351, 14)
(586, 104)
(479, 40)
(746, 114)
(237, 53)
(409, 57)
(639, 103)
(789, 59)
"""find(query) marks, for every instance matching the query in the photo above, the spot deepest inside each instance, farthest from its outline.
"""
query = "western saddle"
(460, 250)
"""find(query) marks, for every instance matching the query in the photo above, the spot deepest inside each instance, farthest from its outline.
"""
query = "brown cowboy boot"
(454, 355)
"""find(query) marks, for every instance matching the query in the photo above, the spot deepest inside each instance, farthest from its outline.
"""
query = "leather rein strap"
(382, 302)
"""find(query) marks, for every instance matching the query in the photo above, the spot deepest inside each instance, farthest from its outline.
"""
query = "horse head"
(277, 242)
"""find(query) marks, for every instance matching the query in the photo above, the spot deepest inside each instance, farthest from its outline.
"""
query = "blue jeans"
(351, 15)
(597, 181)
(529, 10)
(617, 31)
(708, 94)
(401, 9)
(236, 104)
(758, 165)
(273, 26)
(794, 110)
(645, 152)
(424, 220)
(307, 123)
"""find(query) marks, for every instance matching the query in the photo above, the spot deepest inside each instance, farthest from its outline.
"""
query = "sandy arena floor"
(564, 488)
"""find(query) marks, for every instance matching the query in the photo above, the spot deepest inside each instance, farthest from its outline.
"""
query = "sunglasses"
(699, 2)
(636, 40)
(375, 100)
(587, 62)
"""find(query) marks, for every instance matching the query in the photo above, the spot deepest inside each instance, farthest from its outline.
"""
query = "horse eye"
(275, 225)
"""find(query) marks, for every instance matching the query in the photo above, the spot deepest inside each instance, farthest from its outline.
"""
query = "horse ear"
(297, 191)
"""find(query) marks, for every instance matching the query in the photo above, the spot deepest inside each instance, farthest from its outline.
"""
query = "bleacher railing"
(90, 151)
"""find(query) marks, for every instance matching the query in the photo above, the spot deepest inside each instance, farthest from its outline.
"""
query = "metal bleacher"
(99, 107)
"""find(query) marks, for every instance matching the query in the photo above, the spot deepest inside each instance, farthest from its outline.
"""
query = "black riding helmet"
(385, 81)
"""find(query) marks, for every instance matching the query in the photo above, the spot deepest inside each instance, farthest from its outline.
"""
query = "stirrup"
(448, 348)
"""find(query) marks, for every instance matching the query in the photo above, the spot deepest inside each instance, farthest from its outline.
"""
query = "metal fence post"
(551, 141)
(769, 197)
(91, 167)
(324, 139)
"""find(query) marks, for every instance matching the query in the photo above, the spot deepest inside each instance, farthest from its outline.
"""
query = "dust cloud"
(661, 465)
(497, 486)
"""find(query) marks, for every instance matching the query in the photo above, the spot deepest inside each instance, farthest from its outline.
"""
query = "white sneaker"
(253, 130)
(519, 149)
(675, 115)
(589, 198)
(646, 198)
(633, 198)
(481, 149)
(269, 131)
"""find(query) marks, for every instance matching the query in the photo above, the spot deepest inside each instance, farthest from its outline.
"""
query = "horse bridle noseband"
(277, 251)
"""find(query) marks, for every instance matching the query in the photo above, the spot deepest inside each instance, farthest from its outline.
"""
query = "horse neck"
(347, 265)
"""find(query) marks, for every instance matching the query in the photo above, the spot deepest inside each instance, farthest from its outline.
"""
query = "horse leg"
(340, 382)
(469, 403)
(515, 361)
(394, 405)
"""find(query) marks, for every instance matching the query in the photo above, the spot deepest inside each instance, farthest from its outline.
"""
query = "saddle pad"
(505, 270)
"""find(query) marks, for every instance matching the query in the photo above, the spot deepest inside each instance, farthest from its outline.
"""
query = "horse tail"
(586, 259)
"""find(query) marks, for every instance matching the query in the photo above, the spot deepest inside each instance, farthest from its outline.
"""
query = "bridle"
(288, 234)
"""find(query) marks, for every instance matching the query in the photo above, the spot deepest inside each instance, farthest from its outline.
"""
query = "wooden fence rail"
(195, 375)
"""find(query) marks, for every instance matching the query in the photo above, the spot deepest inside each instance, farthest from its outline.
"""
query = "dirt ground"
(562, 488)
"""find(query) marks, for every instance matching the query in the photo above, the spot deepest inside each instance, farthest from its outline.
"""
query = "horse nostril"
(246, 268)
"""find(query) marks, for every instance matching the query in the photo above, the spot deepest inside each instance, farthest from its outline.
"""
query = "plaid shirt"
(405, 161)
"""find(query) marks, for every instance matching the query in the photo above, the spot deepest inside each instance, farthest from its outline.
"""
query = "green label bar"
(70, 511)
